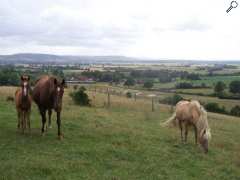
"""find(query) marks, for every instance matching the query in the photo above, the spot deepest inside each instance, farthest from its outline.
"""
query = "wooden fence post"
(152, 104)
(108, 94)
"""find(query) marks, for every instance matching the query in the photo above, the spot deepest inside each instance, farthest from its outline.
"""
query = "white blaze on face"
(25, 88)
(58, 89)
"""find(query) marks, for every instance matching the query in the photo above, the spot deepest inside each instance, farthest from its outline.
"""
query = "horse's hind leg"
(43, 114)
(49, 118)
(196, 135)
(186, 132)
(181, 128)
(23, 122)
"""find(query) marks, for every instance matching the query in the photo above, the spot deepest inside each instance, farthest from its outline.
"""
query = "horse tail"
(170, 122)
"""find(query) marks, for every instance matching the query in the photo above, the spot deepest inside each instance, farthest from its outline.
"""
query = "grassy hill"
(124, 141)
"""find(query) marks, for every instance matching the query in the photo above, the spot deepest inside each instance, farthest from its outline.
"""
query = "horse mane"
(202, 123)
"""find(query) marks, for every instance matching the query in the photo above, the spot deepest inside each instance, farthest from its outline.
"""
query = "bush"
(75, 87)
(80, 97)
(184, 85)
(234, 87)
(130, 82)
(10, 98)
(129, 94)
(214, 107)
(148, 84)
(172, 100)
(193, 76)
(235, 111)
(219, 88)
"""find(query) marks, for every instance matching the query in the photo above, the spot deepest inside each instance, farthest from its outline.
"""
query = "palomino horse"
(47, 94)
(191, 113)
(23, 103)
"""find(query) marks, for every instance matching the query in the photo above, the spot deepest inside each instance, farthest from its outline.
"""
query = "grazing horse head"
(205, 134)
(25, 85)
(204, 139)
(58, 94)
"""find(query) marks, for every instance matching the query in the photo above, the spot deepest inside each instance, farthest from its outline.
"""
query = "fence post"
(108, 94)
(152, 104)
(172, 106)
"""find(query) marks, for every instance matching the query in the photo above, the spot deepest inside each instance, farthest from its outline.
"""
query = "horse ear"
(22, 77)
(28, 77)
(63, 82)
(55, 81)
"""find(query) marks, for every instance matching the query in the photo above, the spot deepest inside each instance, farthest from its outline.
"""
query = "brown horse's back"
(43, 91)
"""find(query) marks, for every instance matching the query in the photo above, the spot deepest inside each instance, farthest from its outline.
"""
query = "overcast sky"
(173, 29)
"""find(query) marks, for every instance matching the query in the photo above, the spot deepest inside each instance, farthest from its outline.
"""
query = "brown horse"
(191, 113)
(23, 103)
(47, 94)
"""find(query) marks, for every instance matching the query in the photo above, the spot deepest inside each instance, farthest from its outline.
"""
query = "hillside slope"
(122, 142)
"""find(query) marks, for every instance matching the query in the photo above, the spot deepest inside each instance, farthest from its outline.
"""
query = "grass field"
(208, 80)
(122, 142)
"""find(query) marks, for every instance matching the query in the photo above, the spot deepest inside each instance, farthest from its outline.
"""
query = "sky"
(154, 29)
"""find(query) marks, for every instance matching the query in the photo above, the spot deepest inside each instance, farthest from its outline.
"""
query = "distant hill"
(49, 58)
(64, 59)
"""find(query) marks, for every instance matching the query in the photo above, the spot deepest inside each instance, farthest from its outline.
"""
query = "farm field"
(209, 81)
(124, 141)
(144, 94)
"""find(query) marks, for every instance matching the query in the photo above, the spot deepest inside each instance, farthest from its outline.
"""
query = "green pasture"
(122, 142)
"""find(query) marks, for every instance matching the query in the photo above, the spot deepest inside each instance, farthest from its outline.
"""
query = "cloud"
(141, 28)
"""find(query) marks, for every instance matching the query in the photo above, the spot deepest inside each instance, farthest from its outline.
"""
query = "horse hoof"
(50, 127)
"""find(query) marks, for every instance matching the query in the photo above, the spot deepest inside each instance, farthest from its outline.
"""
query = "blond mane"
(202, 123)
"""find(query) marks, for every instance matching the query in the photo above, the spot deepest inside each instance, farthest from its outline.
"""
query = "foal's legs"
(28, 120)
(19, 119)
(49, 118)
(43, 114)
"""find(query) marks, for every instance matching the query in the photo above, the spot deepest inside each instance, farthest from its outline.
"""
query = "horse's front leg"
(49, 118)
(60, 135)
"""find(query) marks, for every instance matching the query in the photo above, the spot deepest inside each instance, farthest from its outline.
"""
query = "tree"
(219, 88)
(148, 84)
(214, 107)
(130, 82)
(184, 85)
(234, 87)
